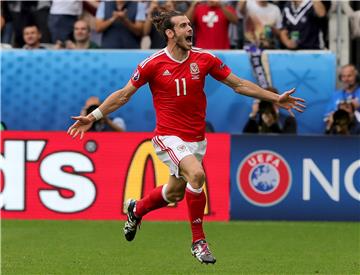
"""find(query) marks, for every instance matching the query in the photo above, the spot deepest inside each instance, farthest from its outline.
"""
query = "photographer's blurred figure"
(350, 93)
(343, 120)
(105, 124)
(266, 118)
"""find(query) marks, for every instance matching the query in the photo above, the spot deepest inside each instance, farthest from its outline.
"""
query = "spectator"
(211, 21)
(121, 24)
(32, 37)
(266, 118)
(155, 7)
(24, 13)
(63, 15)
(6, 23)
(349, 77)
(262, 23)
(106, 124)
(89, 15)
(2, 22)
(81, 37)
(343, 120)
(92, 100)
(236, 31)
(182, 6)
(301, 24)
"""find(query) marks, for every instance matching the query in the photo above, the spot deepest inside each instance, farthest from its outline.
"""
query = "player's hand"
(82, 124)
(288, 102)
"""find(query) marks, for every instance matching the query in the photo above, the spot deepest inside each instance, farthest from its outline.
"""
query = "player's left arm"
(248, 88)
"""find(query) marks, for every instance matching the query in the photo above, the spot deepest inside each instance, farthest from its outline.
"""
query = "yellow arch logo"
(135, 178)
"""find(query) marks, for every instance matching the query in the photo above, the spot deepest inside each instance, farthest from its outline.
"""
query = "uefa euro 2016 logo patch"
(264, 178)
(136, 75)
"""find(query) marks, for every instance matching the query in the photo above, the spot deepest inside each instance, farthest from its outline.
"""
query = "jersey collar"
(173, 59)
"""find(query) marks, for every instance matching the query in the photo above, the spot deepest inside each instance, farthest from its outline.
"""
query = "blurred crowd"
(74, 24)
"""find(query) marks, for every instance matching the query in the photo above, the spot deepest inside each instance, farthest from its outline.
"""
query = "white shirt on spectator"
(267, 15)
(68, 7)
(256, 18)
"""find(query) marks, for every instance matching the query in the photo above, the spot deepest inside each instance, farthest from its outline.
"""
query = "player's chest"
(190, 75)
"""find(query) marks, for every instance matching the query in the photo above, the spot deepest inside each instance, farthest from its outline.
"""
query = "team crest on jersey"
(264, 178)
(194, 70)
(136, 75)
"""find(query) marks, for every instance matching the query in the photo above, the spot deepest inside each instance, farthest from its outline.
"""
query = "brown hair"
(31, 26)
(162, 22)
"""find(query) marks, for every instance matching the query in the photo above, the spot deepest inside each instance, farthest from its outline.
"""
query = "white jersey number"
(177, 81)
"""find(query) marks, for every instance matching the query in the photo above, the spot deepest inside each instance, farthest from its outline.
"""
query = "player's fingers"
(299, 104)
(69, 130)
(76, 133)
(299, 110)
(72, 131)
(76, 117)
(291, 91)
(81, 134)
(298, 99)
(291, 112)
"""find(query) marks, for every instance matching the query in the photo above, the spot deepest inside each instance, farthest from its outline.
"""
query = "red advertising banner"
(49, 175)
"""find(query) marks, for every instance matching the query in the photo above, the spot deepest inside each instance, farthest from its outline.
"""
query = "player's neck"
(177, 53)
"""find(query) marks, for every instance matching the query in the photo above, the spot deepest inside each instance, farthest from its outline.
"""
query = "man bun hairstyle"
(162, 21)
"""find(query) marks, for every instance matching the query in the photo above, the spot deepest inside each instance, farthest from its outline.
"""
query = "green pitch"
(92, 247)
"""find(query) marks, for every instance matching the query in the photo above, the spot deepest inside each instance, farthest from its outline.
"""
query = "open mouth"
(189, 38)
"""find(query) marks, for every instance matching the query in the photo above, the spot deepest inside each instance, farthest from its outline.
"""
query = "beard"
(181, 43)
(82, 39)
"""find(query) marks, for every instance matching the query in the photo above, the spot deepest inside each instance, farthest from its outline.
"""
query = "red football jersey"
(178, 90)
(211, 27)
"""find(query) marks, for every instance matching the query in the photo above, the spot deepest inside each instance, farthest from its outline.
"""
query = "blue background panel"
(40, 90)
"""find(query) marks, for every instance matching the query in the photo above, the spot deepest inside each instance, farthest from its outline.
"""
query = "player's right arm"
(111, 103)
(117, 99)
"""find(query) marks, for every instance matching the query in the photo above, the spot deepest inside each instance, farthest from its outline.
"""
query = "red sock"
(152, 201)
(196, 205)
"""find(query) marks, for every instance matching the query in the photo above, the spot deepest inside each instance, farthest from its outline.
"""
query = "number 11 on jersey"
(177, 81)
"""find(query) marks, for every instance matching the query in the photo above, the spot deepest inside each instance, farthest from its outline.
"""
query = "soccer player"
(176, 77)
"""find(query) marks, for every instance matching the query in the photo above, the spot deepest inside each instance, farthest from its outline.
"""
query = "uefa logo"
(264, 178)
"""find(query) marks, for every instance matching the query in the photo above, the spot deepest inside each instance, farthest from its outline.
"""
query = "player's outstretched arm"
(111, 103)
(285, 100)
